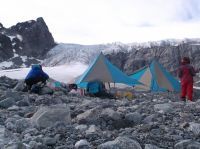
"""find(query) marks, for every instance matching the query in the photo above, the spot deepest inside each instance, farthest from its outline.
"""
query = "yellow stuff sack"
(128, 95)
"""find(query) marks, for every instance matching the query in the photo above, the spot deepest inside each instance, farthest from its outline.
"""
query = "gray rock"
(10, 126)
(81, 127)
(150, 146)
(194, 145)
(18, 145)
(92, 129)
(62, 147)
(49, 141)
(20, 86)
(149, 119)
(120, 143)
(31, 131)
(163, 108)
(182, 144)
(82, 144)
(49, 116)
(46, 90)
(32, 144)
(22, 103)
(133, 118)
(195, 128)
(109, 113)
(6, 103)
(13, 94)
(13, 108)
(23, 124)
(89, 116)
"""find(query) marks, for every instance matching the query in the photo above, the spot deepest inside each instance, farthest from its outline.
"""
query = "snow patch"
(0, 45)
(15, 54)
(64, 73)
(5, 65)
(13, 44)
(24, 58)
(20, 48)
(19, 37)
(11, 37)
(23, 65)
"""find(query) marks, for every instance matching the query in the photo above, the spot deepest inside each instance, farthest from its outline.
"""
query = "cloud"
(97, 21)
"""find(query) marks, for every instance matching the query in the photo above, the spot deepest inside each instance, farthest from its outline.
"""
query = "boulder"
(194, 145)
(149, 119)
(150, 146)
(133, 118)
(22, 124)
(20, 86)
(49, 116)
(82, 144)
(163, 108)
(187, 144)
(113, 118)
(120, 143)
(17, 145)
(90, 116)
(49, 141)
(8, 102)
(182, 144)
(13, 94)
(195, 128)
(46, 90)
(110, 114)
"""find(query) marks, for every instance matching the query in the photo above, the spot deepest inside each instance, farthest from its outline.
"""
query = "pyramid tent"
(155, 78)
(102, 70)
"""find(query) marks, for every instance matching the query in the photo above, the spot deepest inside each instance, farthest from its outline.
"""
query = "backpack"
(94, 87)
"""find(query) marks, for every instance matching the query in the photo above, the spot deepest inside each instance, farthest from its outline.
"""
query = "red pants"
(187, 89)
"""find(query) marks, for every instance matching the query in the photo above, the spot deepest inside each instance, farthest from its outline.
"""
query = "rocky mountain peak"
(1, 26)
(25, 43)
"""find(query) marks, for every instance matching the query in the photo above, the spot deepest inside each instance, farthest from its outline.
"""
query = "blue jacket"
(36, 72)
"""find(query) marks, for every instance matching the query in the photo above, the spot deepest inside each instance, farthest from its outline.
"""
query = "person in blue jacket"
(35, 75)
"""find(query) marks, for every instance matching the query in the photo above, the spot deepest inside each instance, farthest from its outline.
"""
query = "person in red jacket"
(186, 74)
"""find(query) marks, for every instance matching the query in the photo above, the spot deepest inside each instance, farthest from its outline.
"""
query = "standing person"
(186, 74)
(35, 75)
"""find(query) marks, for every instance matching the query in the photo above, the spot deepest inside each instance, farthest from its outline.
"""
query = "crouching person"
(35, 75)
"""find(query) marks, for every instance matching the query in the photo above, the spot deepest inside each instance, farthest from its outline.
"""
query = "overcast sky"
(103, 21)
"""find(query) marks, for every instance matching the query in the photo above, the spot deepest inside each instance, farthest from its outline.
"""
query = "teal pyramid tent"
(102, 70)
(155, 78)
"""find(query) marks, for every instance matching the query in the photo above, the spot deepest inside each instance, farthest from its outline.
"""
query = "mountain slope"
(128, 57)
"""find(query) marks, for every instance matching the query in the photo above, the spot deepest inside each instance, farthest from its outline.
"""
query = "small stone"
(120, 143)
(81, 127)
